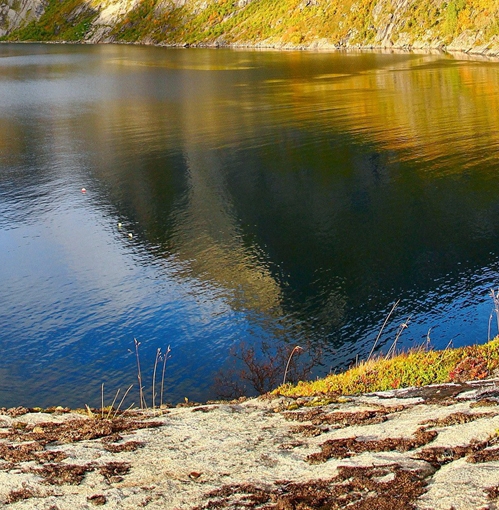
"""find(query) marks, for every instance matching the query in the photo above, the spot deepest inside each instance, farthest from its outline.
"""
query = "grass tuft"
(412, 368)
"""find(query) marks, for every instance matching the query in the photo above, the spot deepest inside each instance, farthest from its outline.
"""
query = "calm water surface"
(279, 197)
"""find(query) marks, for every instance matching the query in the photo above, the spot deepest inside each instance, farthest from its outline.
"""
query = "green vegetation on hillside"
(69, 20)
(414, 368)
(224, 22)
(271, 22)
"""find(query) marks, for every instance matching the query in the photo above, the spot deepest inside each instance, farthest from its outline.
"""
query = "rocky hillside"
(459, 25)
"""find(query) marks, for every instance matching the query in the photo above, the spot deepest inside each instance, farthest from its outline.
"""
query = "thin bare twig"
(428, 339)
(128, 408)
(490, 324)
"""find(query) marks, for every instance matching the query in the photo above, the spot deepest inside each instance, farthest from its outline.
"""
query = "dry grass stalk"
(165, 359)
(495, 298)
(382, 328)
(102, 401)
(122, 400)
(297, 348)
(393, 348)
(143, 404)
(111, 407)
(158, 356)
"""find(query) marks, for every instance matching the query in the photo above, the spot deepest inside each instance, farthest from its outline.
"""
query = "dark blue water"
(278, 197)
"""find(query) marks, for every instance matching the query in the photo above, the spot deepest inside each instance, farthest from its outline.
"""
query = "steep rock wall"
(16, 13)
(460, 25)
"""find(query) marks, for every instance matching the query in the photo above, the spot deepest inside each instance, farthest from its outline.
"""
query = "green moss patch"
(413, 368)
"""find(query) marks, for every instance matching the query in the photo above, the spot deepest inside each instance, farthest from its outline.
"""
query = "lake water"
(277, 197)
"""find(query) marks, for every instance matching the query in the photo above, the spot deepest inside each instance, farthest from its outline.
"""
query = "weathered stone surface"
(431, 449)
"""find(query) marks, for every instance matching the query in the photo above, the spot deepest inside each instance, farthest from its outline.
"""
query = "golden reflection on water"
(421, 111)
(166, 64)
(426, 107)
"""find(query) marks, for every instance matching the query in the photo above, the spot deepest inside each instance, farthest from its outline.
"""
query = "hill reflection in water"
(276, 196)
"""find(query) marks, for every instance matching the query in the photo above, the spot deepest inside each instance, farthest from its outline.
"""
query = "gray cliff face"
(110, 13)
(15, 13)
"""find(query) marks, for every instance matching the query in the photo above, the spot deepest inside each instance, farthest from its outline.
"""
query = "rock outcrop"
(455, 25)
(433, 447)
(16, 13)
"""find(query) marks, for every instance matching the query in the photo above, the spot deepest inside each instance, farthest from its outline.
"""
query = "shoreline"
(472, 54)
(419, 447)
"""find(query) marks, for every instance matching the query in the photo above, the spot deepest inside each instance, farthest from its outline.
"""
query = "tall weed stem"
(158, 357)
(297, 348)
(165, 358)
(382, 328)
(143, 404)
